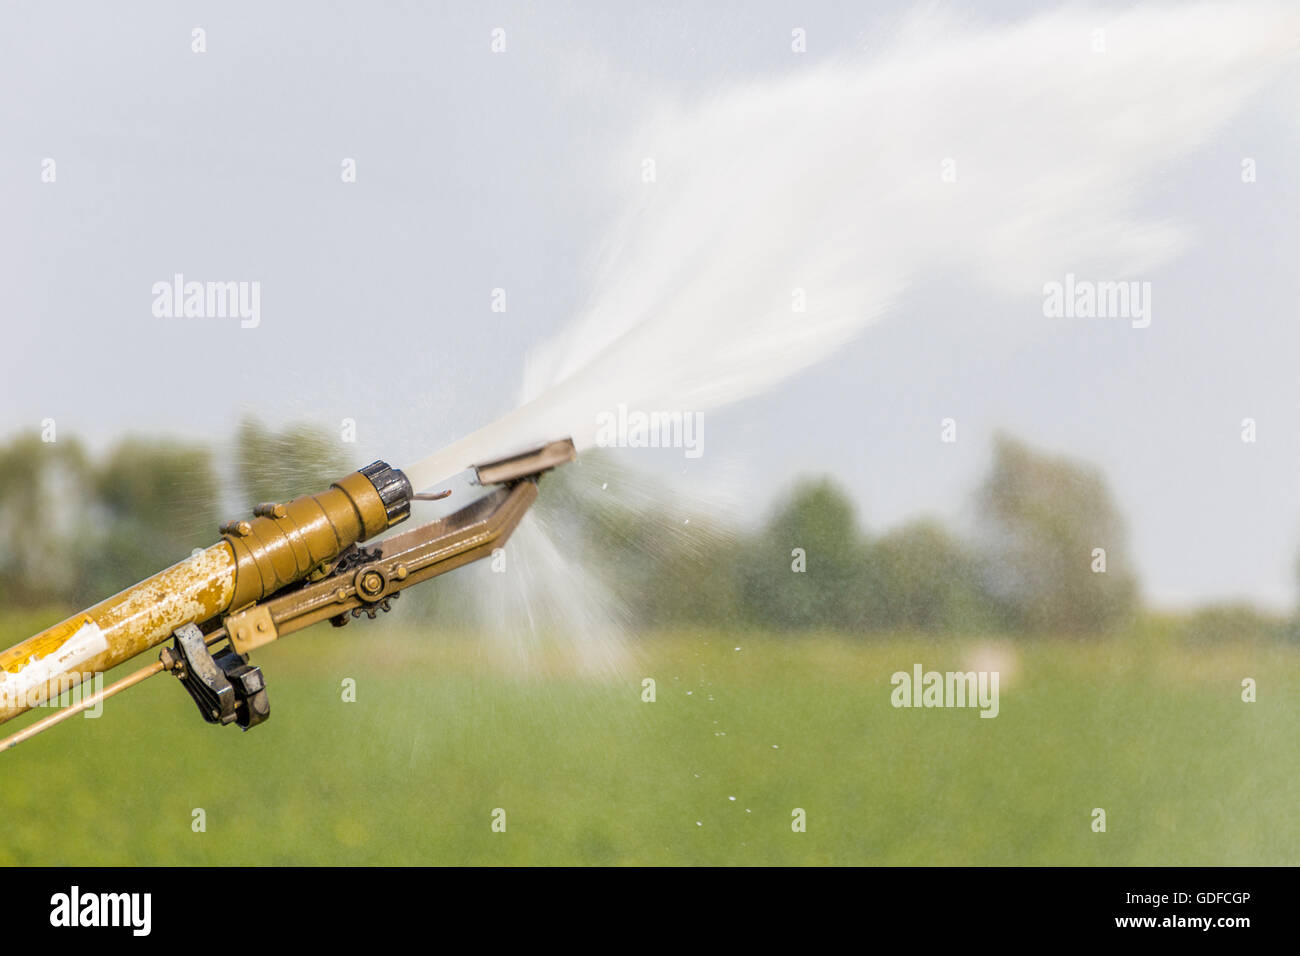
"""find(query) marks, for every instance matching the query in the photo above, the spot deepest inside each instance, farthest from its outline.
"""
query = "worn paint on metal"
(135, 620)
(42, 646)
(64, 648)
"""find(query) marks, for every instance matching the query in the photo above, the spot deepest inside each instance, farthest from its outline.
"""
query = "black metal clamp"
(226, 688)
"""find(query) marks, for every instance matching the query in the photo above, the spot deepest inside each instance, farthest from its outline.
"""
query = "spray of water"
(1009, 154)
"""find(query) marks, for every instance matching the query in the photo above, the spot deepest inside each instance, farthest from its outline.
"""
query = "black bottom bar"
(1014, 905)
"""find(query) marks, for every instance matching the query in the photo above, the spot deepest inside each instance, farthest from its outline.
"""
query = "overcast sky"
(475, 171)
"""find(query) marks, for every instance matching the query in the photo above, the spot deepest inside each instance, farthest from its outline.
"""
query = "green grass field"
(440, 735)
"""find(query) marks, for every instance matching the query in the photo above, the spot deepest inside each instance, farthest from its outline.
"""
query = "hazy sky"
(478, 170)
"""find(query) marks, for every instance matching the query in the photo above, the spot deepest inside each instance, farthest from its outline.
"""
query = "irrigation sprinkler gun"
(287, 567)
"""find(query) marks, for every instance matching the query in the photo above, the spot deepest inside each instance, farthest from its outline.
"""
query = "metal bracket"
(226, 688)
(251, 628)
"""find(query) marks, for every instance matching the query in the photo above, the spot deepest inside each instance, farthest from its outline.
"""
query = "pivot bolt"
(370, 584)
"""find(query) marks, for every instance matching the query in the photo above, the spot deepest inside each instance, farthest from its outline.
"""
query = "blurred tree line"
(1048, 554)
(74, 530)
